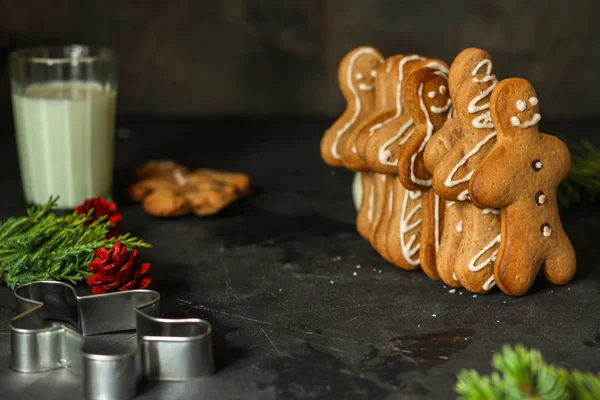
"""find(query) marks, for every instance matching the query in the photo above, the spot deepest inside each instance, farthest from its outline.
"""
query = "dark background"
(264, 58)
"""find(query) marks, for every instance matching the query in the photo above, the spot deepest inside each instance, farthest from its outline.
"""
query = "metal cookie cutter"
(49, 331)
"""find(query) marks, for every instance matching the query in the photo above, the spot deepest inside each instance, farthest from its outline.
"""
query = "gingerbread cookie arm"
(433, 215)
(487, 188)
(440, 143)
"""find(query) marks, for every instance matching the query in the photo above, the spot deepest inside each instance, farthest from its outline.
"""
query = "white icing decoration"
(483, 120)
(538, 165)
(384, 154)
(450, 203)
(436, 217)
(359, 76)
(401, 64)
(454, 276)
(390, 201)
(357, 104)
(439, 110)
(459, 227)
(547, 231)
(533, 101)
(449, 182)
(475, 268)
(443, 89)
(407, 250)
(354, 150)
(490, 211)
(521, 106)
(389, 66)
(413, 158)
(486, 62)
(365, 88)
(516, 122)
(436, 65)
(541, 199)
(431, 94)
(179, 178)
(464, 195)
(373, 73)
(473, 107)
(490, 283)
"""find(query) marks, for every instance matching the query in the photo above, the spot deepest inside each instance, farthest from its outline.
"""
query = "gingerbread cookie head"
(428, 103)
(427, 97)
(357, 73)
(515, 107)
(471, 61)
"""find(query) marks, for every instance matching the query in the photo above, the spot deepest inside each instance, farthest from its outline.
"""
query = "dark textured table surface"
(289, 320)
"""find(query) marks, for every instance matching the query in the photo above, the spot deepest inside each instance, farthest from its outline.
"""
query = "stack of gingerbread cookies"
(454, 177)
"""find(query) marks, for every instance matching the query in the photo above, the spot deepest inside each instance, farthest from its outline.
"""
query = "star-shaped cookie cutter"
(51, 323)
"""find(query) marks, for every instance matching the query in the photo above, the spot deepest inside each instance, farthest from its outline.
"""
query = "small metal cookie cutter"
(49, 331)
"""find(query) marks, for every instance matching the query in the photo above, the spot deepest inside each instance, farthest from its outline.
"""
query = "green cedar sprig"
(582, 186)
(521, 373)
(44, 246)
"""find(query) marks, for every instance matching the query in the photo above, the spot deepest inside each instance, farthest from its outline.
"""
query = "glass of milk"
(64, 113)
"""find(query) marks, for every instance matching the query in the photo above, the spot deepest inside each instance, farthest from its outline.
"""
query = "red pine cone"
(117, 270)
(102, 207)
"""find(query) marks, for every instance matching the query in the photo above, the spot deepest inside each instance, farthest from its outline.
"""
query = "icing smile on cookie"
(363, 86)
(522, 106)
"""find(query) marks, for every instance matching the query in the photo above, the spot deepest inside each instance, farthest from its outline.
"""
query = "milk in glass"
(65, 137)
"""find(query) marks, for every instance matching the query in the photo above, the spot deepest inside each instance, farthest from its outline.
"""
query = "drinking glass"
(64, 113)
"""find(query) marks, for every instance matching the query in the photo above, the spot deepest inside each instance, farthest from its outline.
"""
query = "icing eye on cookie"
(373, 73)
(443, 108)
(536, 165)
(359, 76)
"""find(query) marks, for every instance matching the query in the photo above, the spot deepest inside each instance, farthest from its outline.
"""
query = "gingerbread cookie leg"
(478, 251)
(380, 239)
(433, 216)
(404, 232)
(379, 181)
(366, 209)
(452, 235)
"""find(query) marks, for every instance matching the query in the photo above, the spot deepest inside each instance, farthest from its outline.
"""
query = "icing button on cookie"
(536, 165)
(540, 198)
(546, 230)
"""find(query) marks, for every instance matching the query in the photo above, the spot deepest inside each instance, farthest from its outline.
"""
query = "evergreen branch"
(582, 186)
(521, 373)
(42, 246)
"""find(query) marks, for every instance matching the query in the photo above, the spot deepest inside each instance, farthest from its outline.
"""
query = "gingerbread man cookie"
(351, 145)
(385, 139)
(168, 189)
(520, 176)
(356, 75)
(428, 104)
(470, 236)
